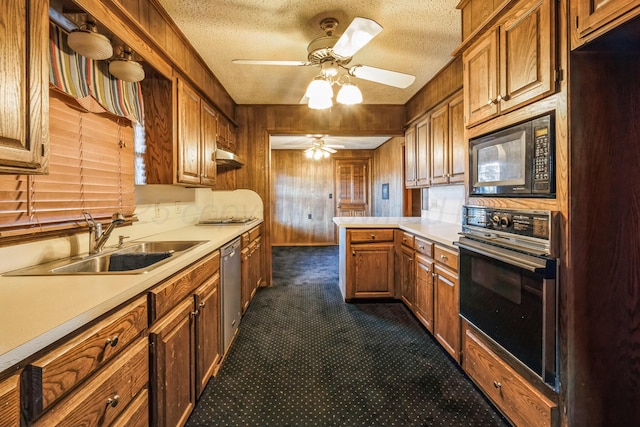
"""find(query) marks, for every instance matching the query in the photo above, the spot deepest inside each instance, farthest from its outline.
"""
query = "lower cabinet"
(407, 269)
(208, 338)
(423, 302)
(370, 265)
(10, 401)
(446, 322)
(251, 256)
(523, 404)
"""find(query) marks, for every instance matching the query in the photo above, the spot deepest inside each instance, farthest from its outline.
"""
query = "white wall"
(445, 203)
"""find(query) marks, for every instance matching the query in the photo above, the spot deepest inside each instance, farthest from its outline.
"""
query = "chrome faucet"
(97, 237)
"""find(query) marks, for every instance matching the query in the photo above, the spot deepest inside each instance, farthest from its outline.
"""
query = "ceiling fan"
(331, 53)
(319, 149)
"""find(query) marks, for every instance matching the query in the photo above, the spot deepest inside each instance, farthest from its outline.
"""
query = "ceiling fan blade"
(328, 150)
(356, 36)
(265, 62)
(379, 75)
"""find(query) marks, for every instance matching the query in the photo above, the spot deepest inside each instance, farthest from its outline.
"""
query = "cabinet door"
(594, 14)
(440, 145)
(457, 144)
(208, 347)
(372, 270)
(173, 370)
(527, 65)
(422, 153)
(245, 277)
(480, 79)
(208, 129)
(24, 86)
(423, 302)
(410, 157)
(407, 283)
(256, 265)
(188, 135)
(446, 321)
(10, 398)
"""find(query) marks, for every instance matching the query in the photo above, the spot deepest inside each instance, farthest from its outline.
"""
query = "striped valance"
(90, 82)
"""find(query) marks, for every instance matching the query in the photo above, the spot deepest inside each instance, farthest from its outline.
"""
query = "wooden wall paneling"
(604, 297)
(158, 27)
(300, 188)
(143, 15)
(387, 169)
(443, 84)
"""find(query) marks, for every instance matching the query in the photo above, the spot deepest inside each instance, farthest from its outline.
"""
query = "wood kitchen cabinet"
(10, 401)
(75, 361)
(592, 17)
(185, 339)
(370, 265)
(512, 64)
(226, 134)
(407, 269)
(251, 257)
(446, 322)
(197, 128)
(416, 154)
(410, 157)
(423, 302)
(24, 87)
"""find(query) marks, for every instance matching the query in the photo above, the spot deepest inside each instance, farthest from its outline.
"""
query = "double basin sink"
(133, 258)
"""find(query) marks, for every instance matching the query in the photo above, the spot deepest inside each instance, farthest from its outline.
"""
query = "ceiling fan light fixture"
(349, 94)
(319, 88)
(87, 42)
(320, 103)
(125, 69)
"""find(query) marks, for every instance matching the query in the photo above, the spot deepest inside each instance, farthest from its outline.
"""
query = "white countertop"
(36, 311)
(441, 232)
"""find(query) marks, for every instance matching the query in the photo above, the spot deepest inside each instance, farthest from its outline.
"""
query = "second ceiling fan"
(332, 53)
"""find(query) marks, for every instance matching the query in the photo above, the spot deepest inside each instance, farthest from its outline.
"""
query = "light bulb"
(319, 88)
(349, 94)
(320, 103)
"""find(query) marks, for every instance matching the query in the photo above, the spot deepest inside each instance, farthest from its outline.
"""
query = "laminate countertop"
(36, 311)
(445, 233)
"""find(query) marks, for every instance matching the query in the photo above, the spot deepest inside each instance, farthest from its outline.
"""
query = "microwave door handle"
(529, 263)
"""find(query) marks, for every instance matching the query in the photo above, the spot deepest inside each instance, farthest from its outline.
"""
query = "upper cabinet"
(226, 137)
(24, 87)
(435, 146)
(512, 64)
(594, 17)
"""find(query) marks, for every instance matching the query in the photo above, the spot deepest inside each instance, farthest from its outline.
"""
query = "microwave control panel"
(542, 171)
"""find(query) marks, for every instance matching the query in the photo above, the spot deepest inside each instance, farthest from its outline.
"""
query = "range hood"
(226, 158)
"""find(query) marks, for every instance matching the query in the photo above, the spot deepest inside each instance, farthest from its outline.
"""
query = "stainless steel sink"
(134, 258)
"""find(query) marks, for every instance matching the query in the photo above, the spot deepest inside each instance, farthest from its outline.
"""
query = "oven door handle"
(527, 262)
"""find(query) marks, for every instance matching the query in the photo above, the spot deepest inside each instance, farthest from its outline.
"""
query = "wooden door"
(407, 282)
(208, 129)
(594, 14)
(446, 323)
(527, 64)
(24, 86)
(188, 135)
(457, 143)
(480, 79)
(410, 157)
(352, 187)
(172, 361)
(208, 342)
(423, 302)
(423, 171)
(440, 145)
(373, 270)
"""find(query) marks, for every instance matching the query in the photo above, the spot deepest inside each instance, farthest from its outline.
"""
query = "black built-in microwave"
(518, 161)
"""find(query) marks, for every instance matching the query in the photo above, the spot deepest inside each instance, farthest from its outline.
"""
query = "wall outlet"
(178, 208)
(156, 211)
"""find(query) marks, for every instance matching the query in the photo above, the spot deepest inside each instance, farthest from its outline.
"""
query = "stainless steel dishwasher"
(230, 288)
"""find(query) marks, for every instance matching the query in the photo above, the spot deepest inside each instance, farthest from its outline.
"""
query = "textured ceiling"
(418, 38)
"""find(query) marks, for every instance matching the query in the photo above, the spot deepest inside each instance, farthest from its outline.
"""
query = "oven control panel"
(534, 224)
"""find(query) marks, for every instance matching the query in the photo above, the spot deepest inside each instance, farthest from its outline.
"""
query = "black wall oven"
(508, 284)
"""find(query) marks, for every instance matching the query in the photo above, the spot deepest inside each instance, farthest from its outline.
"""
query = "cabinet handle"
(443, 258)
(113, 401)
(420, 247)
(373, 236)
(496, 384)
(112, 341)
(195, 313)
(353, 253)
(201, 305)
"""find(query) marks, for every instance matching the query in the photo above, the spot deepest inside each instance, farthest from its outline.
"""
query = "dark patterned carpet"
(303, 357)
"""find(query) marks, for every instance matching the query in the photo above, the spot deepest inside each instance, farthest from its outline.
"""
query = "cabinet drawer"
(137, 413)
(423, 246)
(107, 394)
(515, 397)
(254, 233)
(371, 235)
(53, 375)
(245, 239)
(407, 239)
(167, 295)
(446, 256)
